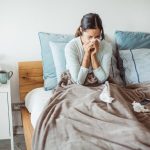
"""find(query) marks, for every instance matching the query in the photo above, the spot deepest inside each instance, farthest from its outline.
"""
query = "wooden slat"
(30, 76)
(31, 80)
(31, 72)
(27, 127)
(30, 64)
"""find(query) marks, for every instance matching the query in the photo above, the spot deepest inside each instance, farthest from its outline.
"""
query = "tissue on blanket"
(105, 94)
(139, 108)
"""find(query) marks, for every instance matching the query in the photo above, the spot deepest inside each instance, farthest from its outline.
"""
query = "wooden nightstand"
(6, 126)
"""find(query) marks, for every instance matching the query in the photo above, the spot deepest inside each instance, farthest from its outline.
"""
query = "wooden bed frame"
(30, 77)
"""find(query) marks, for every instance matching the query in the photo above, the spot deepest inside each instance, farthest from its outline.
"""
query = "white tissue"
(105, 94)
(139, 108)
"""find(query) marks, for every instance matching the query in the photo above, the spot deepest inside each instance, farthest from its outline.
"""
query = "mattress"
(35, 101)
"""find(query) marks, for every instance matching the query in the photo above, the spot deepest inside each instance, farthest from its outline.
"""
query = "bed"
(129, 137)
(30, 75)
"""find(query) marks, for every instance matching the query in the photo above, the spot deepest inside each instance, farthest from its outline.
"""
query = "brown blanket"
(76, 119)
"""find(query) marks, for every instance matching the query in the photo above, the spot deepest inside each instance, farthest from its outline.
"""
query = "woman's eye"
(98, 37)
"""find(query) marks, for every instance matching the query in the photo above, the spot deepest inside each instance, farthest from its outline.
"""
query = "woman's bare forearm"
(86, 60)
(94, 62)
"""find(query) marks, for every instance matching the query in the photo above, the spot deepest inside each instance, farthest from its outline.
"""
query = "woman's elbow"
(78, 81)
(103, 78)
(81, 80)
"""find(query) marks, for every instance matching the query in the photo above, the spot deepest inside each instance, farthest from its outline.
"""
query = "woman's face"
(90, 35)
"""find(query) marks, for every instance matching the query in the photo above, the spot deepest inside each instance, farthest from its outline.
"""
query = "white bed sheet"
(35, 101)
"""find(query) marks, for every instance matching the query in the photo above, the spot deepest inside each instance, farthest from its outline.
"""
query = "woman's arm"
(96, 48)
(101, 68)
(94, 62)
(78, 71)
(86, 60)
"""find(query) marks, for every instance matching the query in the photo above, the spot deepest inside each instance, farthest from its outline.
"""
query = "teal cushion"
(132, 40)
(49, 71)
(58, 57)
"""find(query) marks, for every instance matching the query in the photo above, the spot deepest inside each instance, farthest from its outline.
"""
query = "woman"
(88, 55)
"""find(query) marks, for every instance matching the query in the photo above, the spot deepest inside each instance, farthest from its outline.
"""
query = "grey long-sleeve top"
(74, 54)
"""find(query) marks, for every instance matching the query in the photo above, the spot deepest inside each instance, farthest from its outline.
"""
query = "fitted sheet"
(35, 101)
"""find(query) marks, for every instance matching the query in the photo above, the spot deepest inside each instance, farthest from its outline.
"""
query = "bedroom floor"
(19, 143)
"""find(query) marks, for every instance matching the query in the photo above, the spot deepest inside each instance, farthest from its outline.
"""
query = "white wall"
(21, 20)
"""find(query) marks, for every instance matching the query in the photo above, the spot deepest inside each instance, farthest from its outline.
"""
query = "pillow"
(132, 40)
(37, 97)
(49, 71)
(58, 57)
(136, 64)
(35, 101)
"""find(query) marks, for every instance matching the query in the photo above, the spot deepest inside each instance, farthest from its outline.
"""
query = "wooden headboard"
(30, 76)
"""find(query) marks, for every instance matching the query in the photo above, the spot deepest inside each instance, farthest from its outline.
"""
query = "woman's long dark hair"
(90, 21)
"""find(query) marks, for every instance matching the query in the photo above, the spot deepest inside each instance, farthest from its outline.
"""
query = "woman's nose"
(93, 39)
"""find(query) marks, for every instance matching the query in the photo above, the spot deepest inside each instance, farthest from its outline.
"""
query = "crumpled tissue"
(105, 94)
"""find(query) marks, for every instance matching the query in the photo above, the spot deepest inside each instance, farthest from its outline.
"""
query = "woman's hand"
(88, 47)
(87, 56)
(95, 47)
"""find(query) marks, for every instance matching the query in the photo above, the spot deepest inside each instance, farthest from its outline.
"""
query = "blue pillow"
(58, 52)
(132, 40)
(49, 71)
(136, 64)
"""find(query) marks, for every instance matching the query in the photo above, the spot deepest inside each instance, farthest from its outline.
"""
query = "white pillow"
(58, 52)
(35, 101)
(136, 65)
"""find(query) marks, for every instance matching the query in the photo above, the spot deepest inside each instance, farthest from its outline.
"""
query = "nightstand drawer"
(4, 116)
